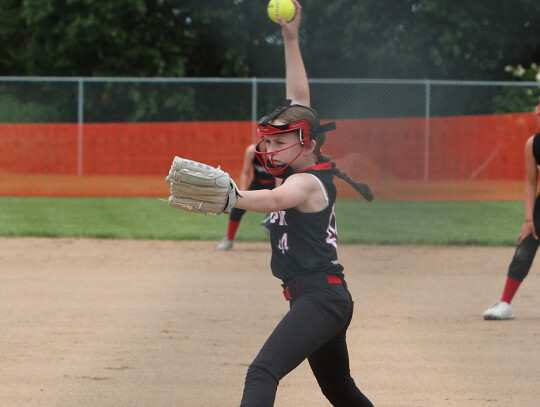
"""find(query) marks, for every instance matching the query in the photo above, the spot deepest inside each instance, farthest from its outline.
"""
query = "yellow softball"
(281, 8)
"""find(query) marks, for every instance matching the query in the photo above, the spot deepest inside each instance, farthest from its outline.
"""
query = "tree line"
(399, 39)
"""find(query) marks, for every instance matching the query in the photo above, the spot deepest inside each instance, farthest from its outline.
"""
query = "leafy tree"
(435, 39)
(91, 38)
(521, 98)
(12, 37)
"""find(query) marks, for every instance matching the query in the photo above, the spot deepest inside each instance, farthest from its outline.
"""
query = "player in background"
(303, 237)
(528, 238)
(262, 179)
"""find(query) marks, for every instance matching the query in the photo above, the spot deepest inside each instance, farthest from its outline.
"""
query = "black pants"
(524, 255)
(314, 328)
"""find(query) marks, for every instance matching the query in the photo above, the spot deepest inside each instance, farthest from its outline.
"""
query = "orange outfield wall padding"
(148, 148)
(132, 159)
(441, 148)
(118, 159)
(119, 148)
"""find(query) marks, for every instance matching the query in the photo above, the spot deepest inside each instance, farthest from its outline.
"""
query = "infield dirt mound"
(146, 323)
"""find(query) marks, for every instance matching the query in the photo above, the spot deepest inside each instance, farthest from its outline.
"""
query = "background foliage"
(435, 39)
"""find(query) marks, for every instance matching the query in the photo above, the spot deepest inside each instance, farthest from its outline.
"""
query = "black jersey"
(306, 243)
(259, 172)
(536, 148)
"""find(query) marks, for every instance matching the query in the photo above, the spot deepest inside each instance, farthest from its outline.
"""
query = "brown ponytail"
(361, 187)
(296, 112)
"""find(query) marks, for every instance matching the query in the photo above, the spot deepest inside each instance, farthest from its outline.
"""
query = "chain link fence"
(400, 120)
(137, 100)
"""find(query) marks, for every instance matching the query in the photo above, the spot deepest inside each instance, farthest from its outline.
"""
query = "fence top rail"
(351, 81)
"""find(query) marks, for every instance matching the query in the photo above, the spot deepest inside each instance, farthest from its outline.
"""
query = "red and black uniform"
(306, 243)
(260, 175)
(304, 257)
(525, 252)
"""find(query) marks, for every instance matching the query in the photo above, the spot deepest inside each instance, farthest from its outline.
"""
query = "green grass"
(485, 223)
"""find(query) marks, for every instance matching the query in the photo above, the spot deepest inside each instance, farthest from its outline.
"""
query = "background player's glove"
(197, 187)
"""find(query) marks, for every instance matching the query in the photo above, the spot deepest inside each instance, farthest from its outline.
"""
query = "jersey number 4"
(283, 244)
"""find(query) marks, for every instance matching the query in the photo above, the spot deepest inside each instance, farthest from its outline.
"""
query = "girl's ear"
(311, 146)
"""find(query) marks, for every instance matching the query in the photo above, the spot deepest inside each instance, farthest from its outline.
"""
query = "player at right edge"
(528, 237)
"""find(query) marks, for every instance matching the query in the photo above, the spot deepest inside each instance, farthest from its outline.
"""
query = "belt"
(293, 288)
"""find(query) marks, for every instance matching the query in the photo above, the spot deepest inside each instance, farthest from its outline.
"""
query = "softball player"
(528, 239)
(261, 179)
(303, 237)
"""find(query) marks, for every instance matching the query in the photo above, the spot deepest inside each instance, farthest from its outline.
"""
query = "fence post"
(426, 134)
(254, 112)
(80, 121)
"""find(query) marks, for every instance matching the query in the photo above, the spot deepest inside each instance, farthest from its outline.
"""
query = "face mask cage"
(264, 128)
(267, 158)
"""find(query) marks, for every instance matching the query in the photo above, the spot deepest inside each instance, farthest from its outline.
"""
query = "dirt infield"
(147, 323)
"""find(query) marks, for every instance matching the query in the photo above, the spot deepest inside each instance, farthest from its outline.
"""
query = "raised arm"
(245, 175)
(297, 86)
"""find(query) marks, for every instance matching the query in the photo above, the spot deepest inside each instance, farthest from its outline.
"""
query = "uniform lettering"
(278, 217)
(331, 230)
